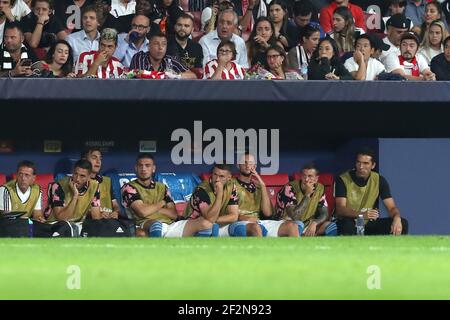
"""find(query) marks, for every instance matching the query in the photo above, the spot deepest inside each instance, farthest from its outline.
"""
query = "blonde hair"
(426, 38)
(109, 34)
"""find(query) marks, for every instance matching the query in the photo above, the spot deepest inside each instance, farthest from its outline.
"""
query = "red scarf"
(415, 69)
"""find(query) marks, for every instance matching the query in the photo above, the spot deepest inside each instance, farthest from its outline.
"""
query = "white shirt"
(80, 42)
(5, 198)
(20, 10)
(118, 8)
(393, 49)
(393, 63)
(126, 50)
(374, 67)
(211, 41)
(429, 53)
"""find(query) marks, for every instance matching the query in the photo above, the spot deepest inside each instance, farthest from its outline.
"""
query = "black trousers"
(381, 226)
(17, 228)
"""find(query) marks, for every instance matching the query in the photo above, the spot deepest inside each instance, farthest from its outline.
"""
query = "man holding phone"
(15, 59)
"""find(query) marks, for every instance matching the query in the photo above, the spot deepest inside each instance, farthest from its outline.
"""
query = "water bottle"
(304, 71)
(30, 228)
(360, 225)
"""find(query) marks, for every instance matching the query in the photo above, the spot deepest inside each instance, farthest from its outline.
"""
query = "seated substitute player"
(150, 204)
(357, 192)
(254, 202)
(216, 200)
(24, 196)
(304, 201)
(74, 198)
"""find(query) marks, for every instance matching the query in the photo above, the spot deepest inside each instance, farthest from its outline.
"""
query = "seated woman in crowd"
(261, 38)
(325, 63)
(277, 65)
(224, 67)
(433, 11)
(284, 31)
(59, 59)
(440, 64)
(301, 55)
(344, 30)
(433, 41)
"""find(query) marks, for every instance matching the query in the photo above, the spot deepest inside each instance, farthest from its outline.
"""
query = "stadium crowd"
(225, 205)
(226, 39)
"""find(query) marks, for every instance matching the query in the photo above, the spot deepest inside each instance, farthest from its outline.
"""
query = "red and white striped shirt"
(114, 68)
(235, 72)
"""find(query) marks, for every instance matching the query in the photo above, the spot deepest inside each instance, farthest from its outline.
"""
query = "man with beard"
(15, 59)
(152, 207)
(357, 192)
(396, 26)
(182, 48)
(304, 201)
(409, 64)
(74, 198)
(254, 202)
(135, 41)
(157, 60)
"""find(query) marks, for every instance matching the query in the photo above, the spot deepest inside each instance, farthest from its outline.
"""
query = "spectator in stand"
(41, 28)
(6, 15)
(326, 14)
(301, 54)
(397, 25)
(261, 38)
(433, 41)
(433, 12)
(165, 15)
(395, 7)
(134, 41)
(59, 59)
(69, 13)
(101, 64)
(325, 63)
(344, 30)
(446, 11)
(379, 46)
(87, 39)
(15, 59)
(122, 7)
(227, 24)
(304, 14)
(285, 33)
(277, 65)
(118, 17)
(156, 59)
(440, 64)
(210, 13)
(409, 64)
(362, 66)
(224, 67)
(181, 47)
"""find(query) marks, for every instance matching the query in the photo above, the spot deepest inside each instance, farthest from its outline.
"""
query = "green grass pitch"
(409, 267)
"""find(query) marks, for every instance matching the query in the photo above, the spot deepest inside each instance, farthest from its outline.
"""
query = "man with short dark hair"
(6, 15)
(75, 198)
(20, 210)
(69, 13)
(357, 192)
(181, 47)
(15, 59)
(304, 202)
(304, 14)
(149, 203)
(41, 29)
(156, 59)
(409, 64)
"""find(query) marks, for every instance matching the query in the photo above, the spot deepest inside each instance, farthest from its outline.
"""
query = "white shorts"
(272, 227)
(223, 231)
(173, 230)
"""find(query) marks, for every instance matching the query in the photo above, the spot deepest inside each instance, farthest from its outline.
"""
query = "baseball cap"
(399, 21)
